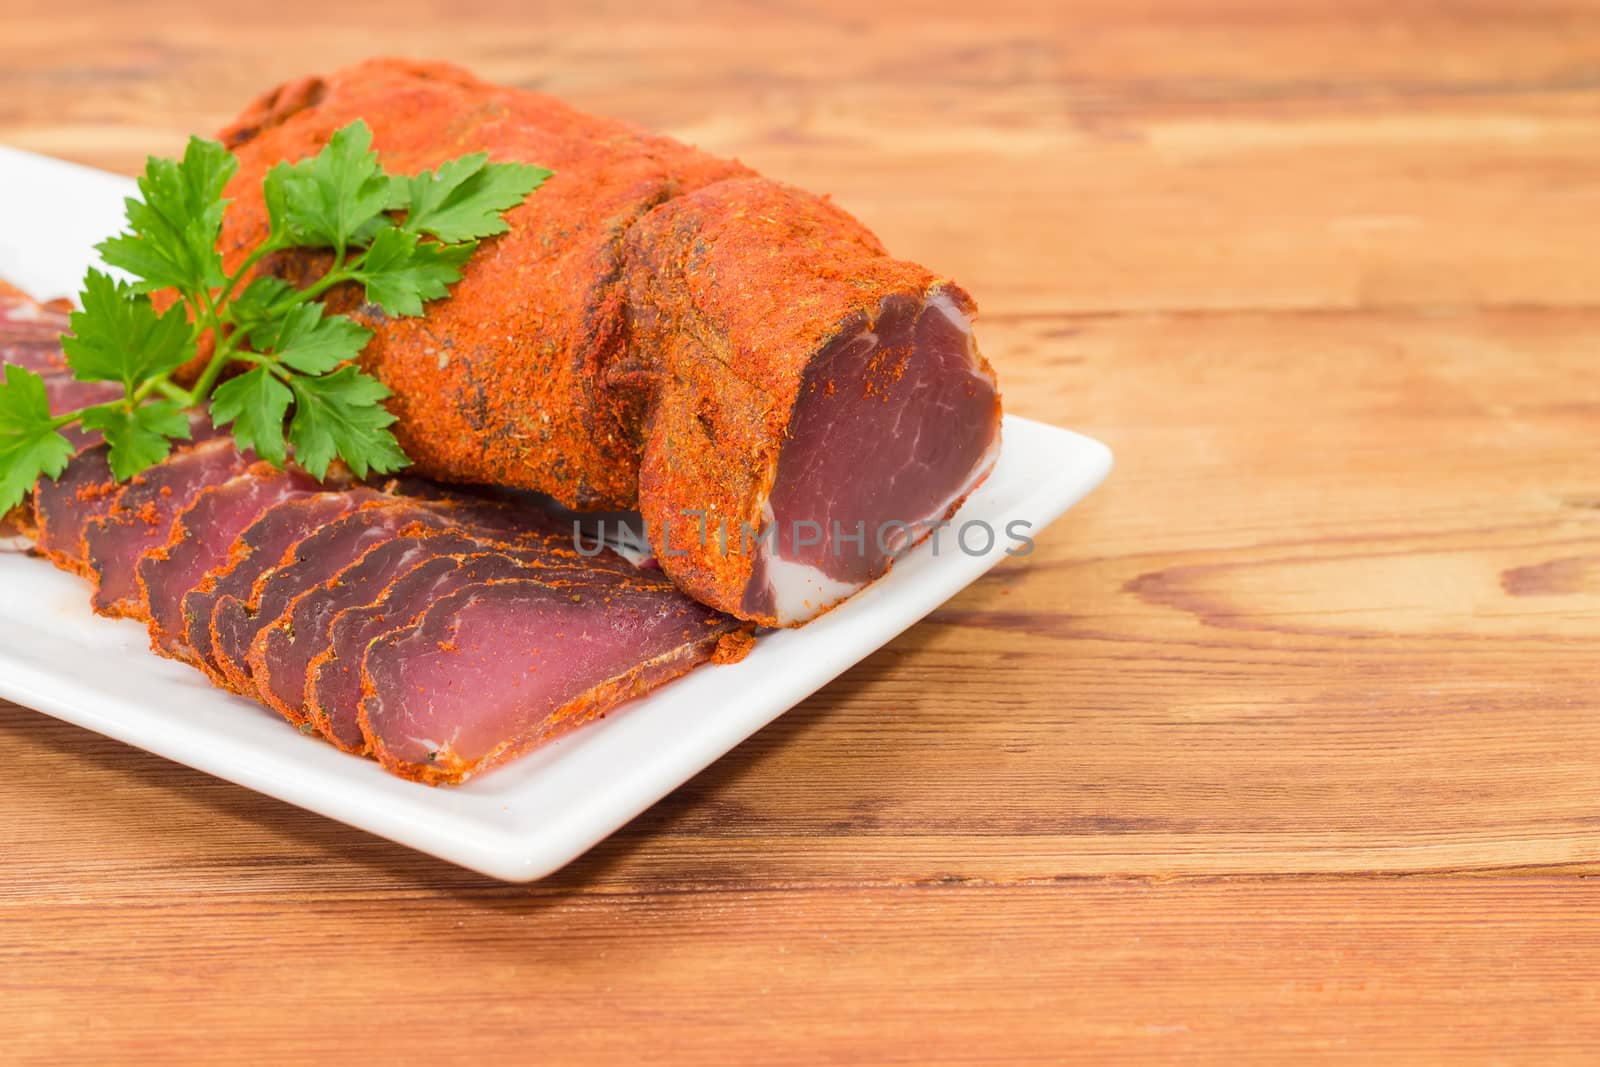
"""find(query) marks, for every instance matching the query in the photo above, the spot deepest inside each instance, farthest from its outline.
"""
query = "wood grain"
(1283, 745)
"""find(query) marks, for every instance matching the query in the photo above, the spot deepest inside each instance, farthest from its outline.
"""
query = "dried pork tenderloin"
(281, 655)
(30, 337)
(201, 539)
(33, 348)
(142, 516)
(67, 393)
(30, 332)
(237, 621)
(63, 506)
(333, 688)
(254, 552)
(495, 668)
(662, 330)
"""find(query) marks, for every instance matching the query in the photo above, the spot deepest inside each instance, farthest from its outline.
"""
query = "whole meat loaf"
(740, 360)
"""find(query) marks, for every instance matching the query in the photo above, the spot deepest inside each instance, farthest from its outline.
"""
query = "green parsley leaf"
(30, 445)
(311, 342)
(464, 198)
(118, 337)
(140, 436)
(259, 302)
(342, 414)
(332, 199)
(255, 402)
(400, 271)
(173, 230)
(303, 357)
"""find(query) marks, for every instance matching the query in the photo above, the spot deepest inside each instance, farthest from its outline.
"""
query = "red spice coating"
(637, 340)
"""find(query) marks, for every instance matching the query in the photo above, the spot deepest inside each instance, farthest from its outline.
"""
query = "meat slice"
(67, 393)
(708, 347)
(236, 621)
(493, 669)
(257, 550)
(36, 353)
(333, 688)
(142, 518)
(30, 332)
(64, 506)
(280, 654)
(200, 541)
(30, 336)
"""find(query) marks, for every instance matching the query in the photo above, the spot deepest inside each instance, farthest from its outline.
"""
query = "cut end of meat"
(898, 420)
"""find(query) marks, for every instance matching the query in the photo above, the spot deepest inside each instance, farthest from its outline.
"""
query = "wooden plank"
(1331, 971)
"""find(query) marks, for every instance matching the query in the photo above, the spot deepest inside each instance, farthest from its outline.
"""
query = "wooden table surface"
(1287, 739)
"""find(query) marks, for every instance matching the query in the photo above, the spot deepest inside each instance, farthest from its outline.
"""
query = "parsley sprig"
(402, 238)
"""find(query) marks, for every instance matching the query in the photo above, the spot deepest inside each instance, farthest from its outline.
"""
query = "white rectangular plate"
(518, 822)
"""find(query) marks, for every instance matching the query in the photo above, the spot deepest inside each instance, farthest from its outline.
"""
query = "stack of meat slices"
(438, 632)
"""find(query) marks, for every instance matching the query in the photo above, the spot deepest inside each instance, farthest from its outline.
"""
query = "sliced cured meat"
(142, 517)
(30, 332)
(333, 690)
(281, 653)
(200, 541)
(64, 506)
(493, 669)
(504, 517)
(42, 354)
(235, 621)
(67, 393)
(257, 550)
(708, 347)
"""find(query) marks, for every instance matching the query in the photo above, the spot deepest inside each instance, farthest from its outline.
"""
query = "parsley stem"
(264, 249)
(341, 271)
(220, 357)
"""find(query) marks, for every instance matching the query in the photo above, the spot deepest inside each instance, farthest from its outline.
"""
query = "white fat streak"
(800, 591)
(942, 302)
